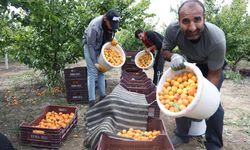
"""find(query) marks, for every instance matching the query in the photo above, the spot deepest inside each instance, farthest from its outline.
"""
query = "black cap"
(114, 19)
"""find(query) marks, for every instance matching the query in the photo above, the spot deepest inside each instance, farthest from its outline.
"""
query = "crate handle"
(41, 132)
(120, 138)
(62, 109)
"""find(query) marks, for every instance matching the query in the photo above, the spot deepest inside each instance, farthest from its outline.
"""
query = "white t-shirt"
(210, 50)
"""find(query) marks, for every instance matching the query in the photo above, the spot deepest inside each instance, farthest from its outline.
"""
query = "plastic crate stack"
(76, 85)
(49, 138)
(135, 80)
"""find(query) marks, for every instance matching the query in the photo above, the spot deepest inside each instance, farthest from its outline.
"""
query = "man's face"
(141, 36)
(191, 20)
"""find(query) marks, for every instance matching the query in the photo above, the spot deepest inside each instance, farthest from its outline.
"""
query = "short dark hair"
(138, 31)
(188, 1)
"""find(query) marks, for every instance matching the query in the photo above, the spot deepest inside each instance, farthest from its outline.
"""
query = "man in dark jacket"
(99, 31)
(153, 41)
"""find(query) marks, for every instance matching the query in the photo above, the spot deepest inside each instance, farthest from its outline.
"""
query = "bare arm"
(151, 48)
(166, 54)
(214, 76)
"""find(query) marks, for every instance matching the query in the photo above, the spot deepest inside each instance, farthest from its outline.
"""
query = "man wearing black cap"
(99, 31)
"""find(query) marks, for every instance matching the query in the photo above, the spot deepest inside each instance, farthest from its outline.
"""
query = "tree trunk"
(6, 61)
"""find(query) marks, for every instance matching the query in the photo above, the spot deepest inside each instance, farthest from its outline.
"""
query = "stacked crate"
(129, 64)
(76, 85)
(130, 56)
(135, 80)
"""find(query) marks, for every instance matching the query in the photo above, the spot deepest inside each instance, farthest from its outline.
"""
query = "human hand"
(177, 62)
(100, 67)
(147, 51)
(114, 42)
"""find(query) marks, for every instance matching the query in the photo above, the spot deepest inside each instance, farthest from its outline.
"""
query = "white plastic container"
(105, 65)
(197, 128)
(204, 104)
(138, 55)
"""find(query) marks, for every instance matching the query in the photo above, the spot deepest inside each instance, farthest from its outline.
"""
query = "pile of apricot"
(145, 60)
(178, 92)
(54, 120)
(113, 56)
(137, 134)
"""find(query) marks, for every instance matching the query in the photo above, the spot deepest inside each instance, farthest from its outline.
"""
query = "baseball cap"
(114, 18)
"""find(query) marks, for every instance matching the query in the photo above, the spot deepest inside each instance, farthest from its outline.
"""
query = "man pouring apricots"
(99, 31)
(202, 43)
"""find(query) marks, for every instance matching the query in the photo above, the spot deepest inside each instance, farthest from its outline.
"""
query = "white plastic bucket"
(197, 128)
(105, 65)
(205, 102)
(138, 55)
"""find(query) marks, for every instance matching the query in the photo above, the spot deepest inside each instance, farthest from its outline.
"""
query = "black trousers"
(158, 67)
(214, 123)
(5, 144)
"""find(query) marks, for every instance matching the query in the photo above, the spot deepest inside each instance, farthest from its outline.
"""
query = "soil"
(20, 102)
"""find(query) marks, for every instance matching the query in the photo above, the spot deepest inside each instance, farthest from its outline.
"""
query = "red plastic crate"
(130, 56)
(75, 73)
(136, 81)
(77, 96)
(153, 110)
(142, 90)
(131, 77)
(133, 74)
(136, 73)
(161, 142)
(130, 67)
(52, 138)
(134, 84)
(148, 88)
(131, 53)
(151, 96)
(76, 84)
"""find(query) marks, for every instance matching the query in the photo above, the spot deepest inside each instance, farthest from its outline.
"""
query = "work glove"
(177, 62)
(100, 68)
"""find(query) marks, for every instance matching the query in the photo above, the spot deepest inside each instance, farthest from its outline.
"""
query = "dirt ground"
(20, 102)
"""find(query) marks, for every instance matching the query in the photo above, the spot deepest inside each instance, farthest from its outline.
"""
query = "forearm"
(214, 77)
(166, 54)
(152, 48)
